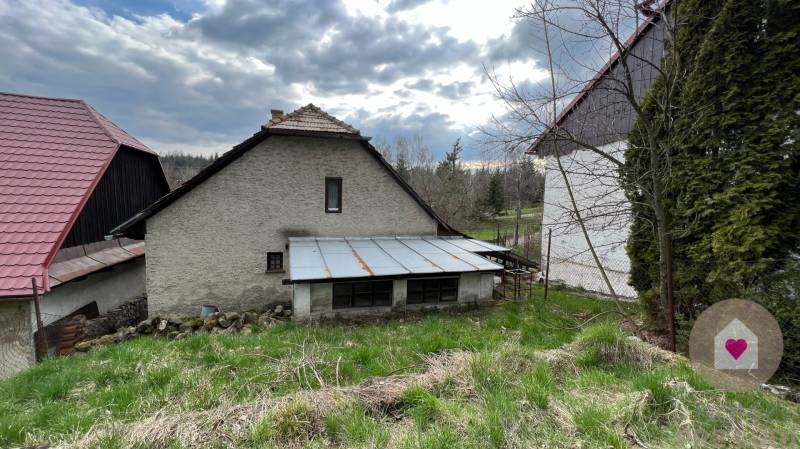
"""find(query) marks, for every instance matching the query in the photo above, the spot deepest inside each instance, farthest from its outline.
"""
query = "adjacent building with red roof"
(67, 176)
(600, 115)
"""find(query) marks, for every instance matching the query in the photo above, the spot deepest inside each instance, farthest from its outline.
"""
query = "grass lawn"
(487, 229)
(531, 219)
(516, 375)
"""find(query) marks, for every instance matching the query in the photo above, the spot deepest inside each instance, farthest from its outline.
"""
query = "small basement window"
(333, 195)
(362, 294)
(274, 262)
(434, 290)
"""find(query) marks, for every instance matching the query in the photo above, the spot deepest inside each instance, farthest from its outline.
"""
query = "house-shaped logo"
(736, 348)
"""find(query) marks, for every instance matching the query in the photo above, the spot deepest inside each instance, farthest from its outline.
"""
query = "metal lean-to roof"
(319, 258)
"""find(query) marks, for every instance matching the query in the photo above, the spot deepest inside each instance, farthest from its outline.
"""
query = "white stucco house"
(599, 116)
(307, 211)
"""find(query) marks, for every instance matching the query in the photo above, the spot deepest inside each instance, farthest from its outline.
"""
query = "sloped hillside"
(517, 375)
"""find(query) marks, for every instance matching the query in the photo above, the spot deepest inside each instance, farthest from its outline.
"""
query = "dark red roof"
(52, 154)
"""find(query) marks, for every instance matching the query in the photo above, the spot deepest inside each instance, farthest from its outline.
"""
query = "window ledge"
(276, 271)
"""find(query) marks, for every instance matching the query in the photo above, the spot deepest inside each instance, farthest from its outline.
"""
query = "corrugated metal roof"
(52, 153)
(317, 258)
(72, 263)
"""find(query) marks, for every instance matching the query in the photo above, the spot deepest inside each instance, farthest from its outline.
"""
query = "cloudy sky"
(201, 75)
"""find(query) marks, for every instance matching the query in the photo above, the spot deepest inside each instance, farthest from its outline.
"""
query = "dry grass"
(598, 389)
(299, 416)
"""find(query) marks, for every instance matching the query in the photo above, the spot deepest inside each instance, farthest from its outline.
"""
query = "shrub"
(779, 293)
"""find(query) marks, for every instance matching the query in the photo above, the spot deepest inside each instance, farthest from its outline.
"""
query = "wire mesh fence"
(577, 268)
(526, 244)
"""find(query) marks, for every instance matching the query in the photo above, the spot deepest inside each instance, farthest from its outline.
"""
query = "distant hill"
(179, 167)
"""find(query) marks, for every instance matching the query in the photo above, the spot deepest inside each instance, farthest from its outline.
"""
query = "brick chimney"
(277, 114)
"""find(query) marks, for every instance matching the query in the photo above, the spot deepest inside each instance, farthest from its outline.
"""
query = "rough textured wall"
(210, 245)
(594, 184)
(16, 337)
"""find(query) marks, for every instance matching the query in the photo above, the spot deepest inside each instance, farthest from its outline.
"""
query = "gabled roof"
(311, 118)
(651, 18)
(52, 154)
(307, 121)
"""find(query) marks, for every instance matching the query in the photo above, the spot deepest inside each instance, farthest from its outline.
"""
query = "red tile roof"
(52, 154)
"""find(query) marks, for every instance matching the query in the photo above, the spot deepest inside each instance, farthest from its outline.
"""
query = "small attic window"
(333, 195)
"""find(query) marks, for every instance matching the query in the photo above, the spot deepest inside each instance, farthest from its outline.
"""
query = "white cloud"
(203, 84)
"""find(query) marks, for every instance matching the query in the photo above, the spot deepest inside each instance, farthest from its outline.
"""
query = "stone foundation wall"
(128, 314)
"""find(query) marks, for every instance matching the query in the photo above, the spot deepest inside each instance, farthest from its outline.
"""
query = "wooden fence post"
(41, 348)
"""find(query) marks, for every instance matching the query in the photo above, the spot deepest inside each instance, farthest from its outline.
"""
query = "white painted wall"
(599, 197)
(109, 289)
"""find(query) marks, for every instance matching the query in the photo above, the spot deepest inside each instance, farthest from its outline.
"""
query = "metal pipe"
(547, 269)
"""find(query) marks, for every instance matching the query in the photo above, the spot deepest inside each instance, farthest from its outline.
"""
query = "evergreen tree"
(735, 153)
(494, 202)
(403, 167)
(738, 197)
(451, 163)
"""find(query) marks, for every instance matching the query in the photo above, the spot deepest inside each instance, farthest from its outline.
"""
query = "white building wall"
(602, 202)
(109, 289)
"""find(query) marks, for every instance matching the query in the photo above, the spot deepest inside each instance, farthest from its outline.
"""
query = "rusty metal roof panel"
(76, 262)
(340, 259)
(376, 260)
(111, 256)
(320, 258)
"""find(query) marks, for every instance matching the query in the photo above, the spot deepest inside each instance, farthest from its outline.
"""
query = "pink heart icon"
(736, 347)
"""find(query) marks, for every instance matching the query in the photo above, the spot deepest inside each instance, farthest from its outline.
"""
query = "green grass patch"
(596, 389)
(487, 229)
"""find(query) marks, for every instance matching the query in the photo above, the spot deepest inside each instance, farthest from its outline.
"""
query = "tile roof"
(52, 154)
(311, 118)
